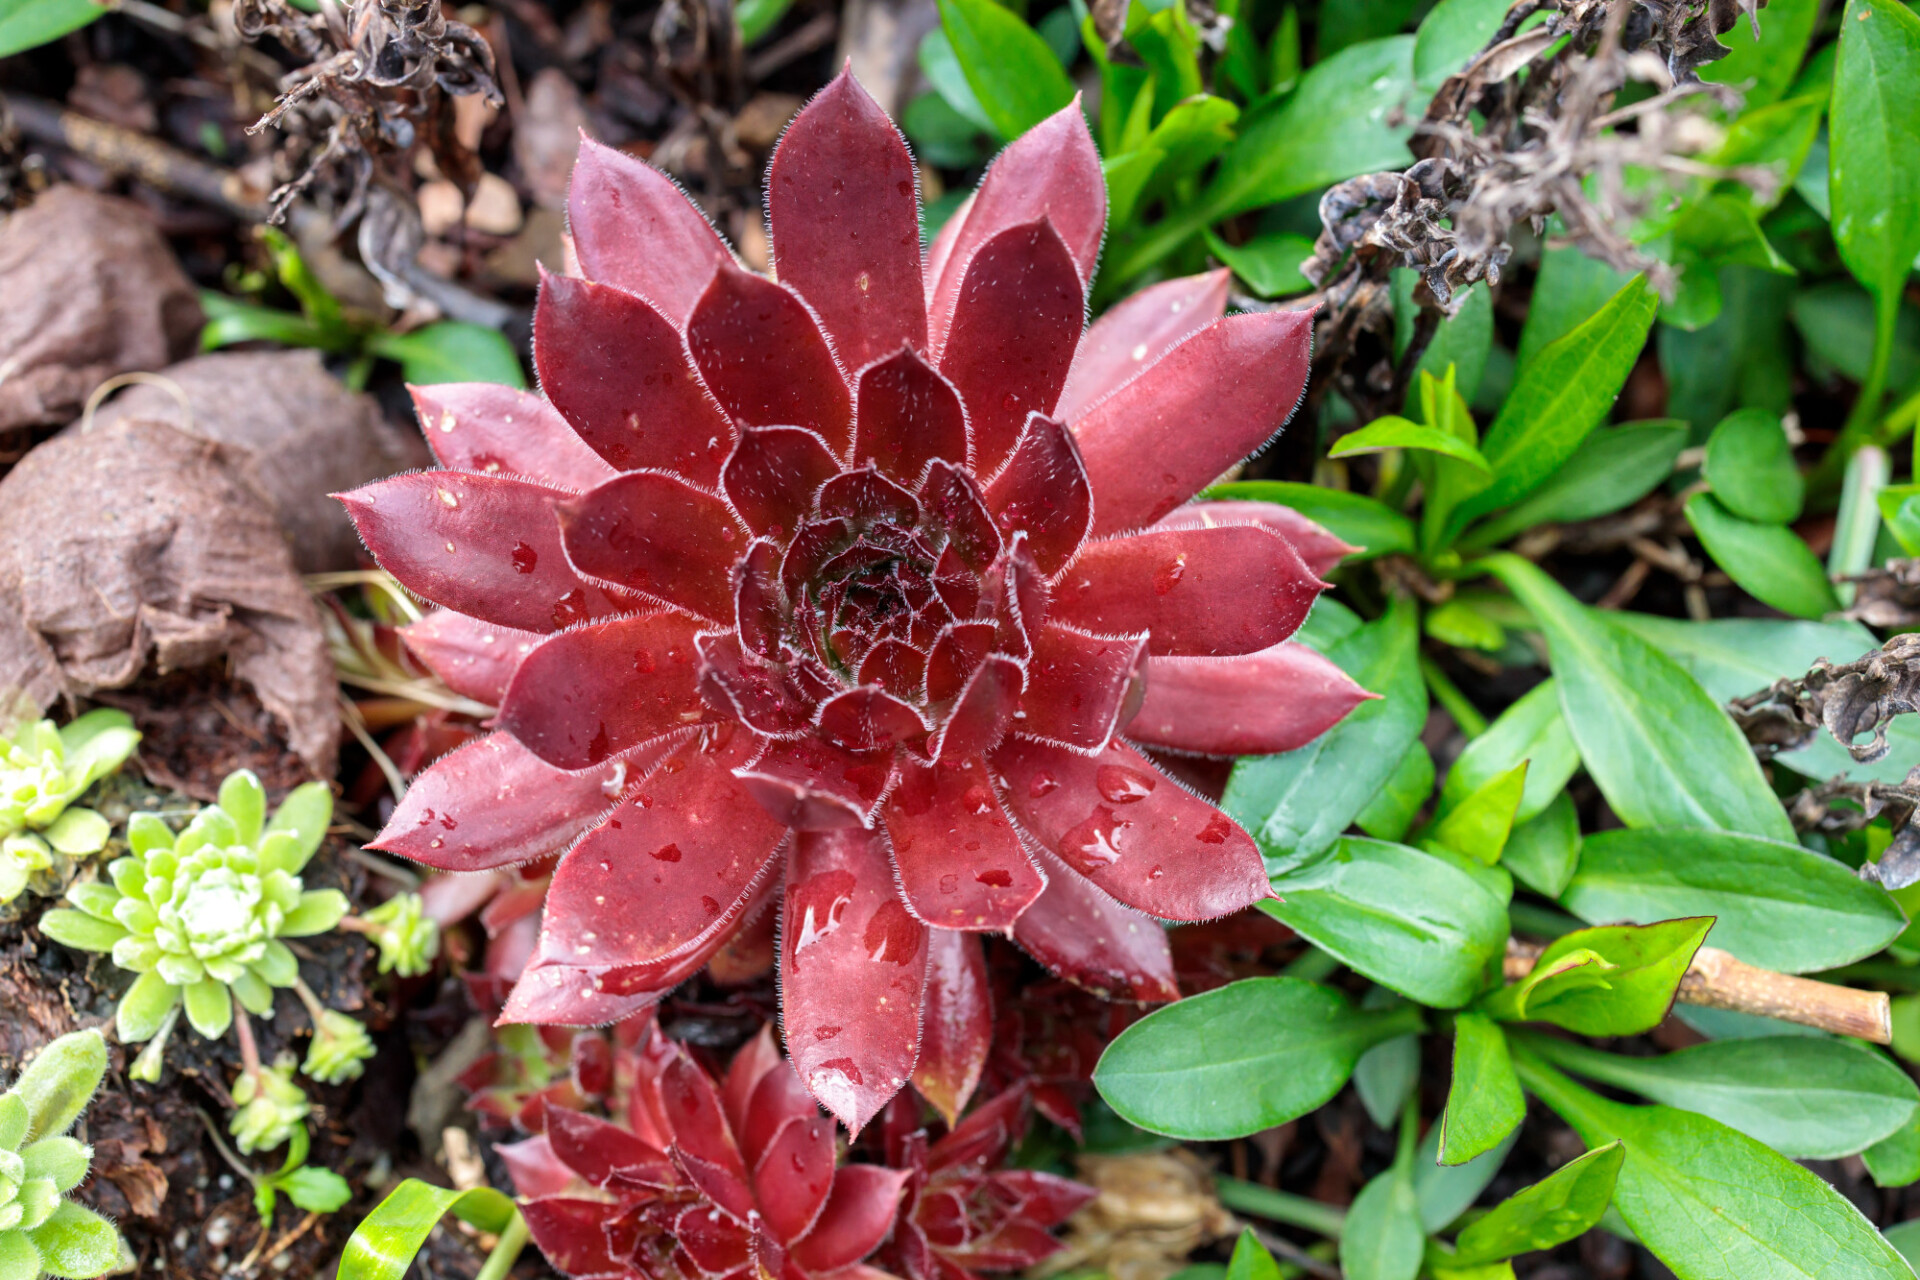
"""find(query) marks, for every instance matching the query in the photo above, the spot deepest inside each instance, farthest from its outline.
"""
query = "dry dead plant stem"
(1717, 980)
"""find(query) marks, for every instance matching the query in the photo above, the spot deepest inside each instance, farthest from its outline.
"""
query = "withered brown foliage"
(379, 78)
(1846, 700)
(1528, 130)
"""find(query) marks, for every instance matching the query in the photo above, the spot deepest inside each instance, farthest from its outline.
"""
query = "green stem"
(1865, 417)
(1858, 523)
(1409, 1138)
(1448, 695)
(1275, 1206)
(513, 1238)
(1579, 1106)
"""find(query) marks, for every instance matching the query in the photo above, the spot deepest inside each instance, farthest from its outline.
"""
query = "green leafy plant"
(383, 1246)
(43, 770)
(42, 1232)
(443, 351)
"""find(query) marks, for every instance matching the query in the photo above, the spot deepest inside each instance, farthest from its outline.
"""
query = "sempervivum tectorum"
(838, 593)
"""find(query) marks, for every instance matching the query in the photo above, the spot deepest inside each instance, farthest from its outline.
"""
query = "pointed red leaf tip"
(486, 546)
(598, 1151)
(905, 416)
(1043, 491)
(960, 863)
(1051, 171)
(957, 1025)
(620, 373)
(1016, 320)
(750, 1065)
(773, 475)
(853, 968)
(494, 430)
(794, 1176)
(811, 785)
(765, 359)
(493, 803)
(1135, 833)
(1207, 403)
(1081, 689)
(1217, 591)
(594, 692)
(1318, 546)
(655, 535)
(846, 222)
(1137, 331)
(536, 1172)
(1084, 936)
(634, 229)
(1256, 704)
(475, 659)
(702, 1142)
(689, 843)
(572, 1234)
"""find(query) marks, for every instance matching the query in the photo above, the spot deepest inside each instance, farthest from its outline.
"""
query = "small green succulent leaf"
(61, 1078)
(145, 833)
(78, 832)
(304, 814)
(209, 1008)
(14, 1120)
(145, 1007)
(408, 939)
(340, 1044)
(245, 801)
(314, 1189)
(77, 1243)
(269, 1108)
(19, 1260)
(61, 1160)
(319, 910)
(80, 931)
(1564, 1204)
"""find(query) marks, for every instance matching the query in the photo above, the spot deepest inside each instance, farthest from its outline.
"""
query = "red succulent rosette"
(834, 595)
(707, 1181)
(963, 1213)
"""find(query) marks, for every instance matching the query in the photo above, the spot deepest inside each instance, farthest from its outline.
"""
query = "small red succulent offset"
(963, 1213)
(732, 1180)
(855, 596)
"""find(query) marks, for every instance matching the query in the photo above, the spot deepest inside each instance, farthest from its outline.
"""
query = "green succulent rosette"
(202, 914)
(407, 937)
(41, 1231)
(43, 770)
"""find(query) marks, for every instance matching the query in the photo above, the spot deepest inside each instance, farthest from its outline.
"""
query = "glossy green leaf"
(1566, 1203)
(1778, 905)
(1451, 34)
(1711, 233)
(27, 24)
(1268, 265)
(1193, 132)
(1459, 623)
(230, 321)
(1543, 851)
(1399, 915)
(1751, 468)
(1240, 1058)
(941, 135)
(1385, 1075)
(1815, 1098)
(1613, 980)
(1127, 176)
(1484, 1103)
(452, 351)
(1463, 340)
(1334, 125)
(1777, 138)
(1905, 1237)
(1296, 804)
(1393, 432)
(1355, 519)
(1531, 731)
(1479, 823)
(1875, 144)
(756, 18)
(1661, 750)
(1571, 289)
(1447, 1191)
(1250, 1260)
(1013, 74)
(1763, 69)
(1714, 1204)
(941, 67)
(1390, 814)
(1561, 395)
(383, 1246)
(1900, 508)
(1614, 467)
(314, 1189)
(1835, 319)
(1767, 561)
(1894, 1161)
(1383, 1239)
(1733, 657)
